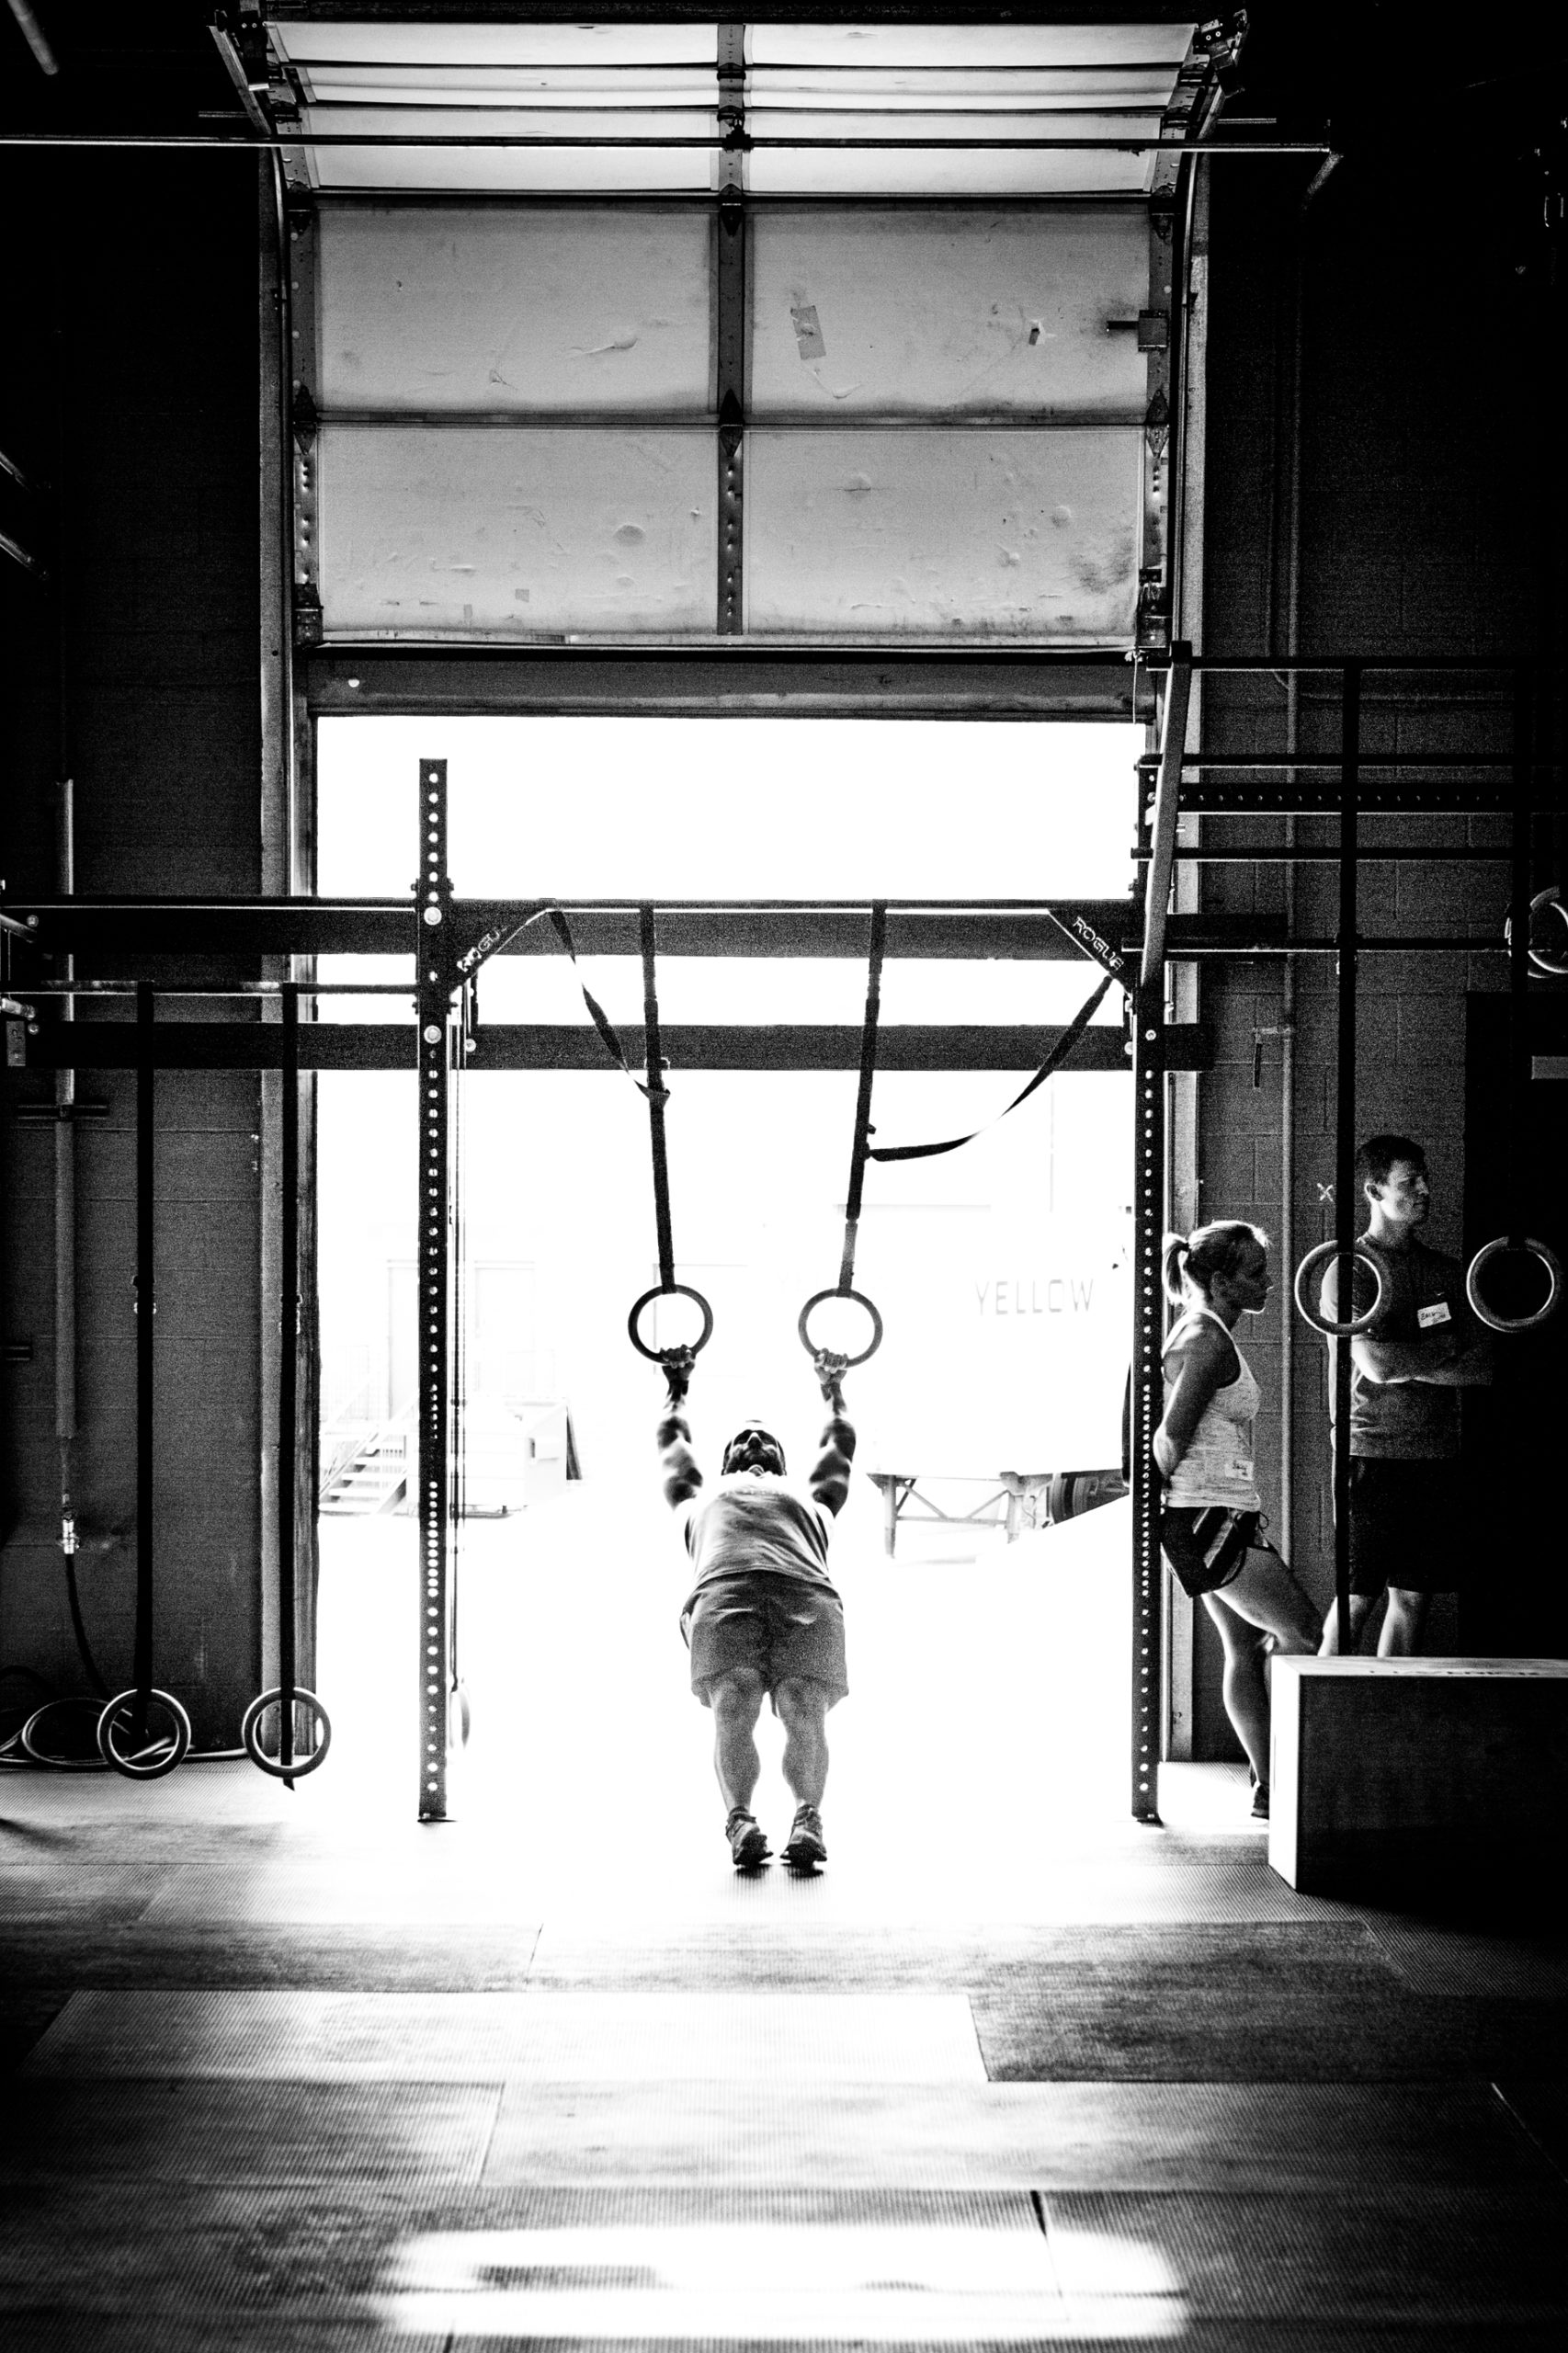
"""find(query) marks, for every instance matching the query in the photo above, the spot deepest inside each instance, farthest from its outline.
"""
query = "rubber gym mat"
(957, 1957)
(1246, 2004)
(75, 1891)
(331, 1890)
(544, 2036)
(191, 2131)
(75, 2331)
(1471, 2254)
(428, 1958)
(243, 2333)
(1073, 2136)
(1541, 2103)
(1445, 1960)
(25, 2018)
(552, 2256)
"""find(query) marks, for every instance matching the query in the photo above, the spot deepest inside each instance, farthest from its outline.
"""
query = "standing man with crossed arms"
(1408, 1515)
(763, 1618)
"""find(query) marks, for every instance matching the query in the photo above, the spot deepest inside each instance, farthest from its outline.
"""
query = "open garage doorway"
(989, 1630)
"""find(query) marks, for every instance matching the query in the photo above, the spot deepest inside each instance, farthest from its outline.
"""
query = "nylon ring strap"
(861, 1149)
(1054, 1062)
(657, 1094)
(601, 1020)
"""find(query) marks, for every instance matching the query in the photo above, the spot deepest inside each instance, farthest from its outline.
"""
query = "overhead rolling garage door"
(614, 393)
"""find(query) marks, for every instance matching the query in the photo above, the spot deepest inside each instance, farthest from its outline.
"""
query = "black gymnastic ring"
(669, 1290)
(1358, 1322)
(860, 1299)
(1539, 961)
(171, 1753)
(1489, 1316)
(250, 1734)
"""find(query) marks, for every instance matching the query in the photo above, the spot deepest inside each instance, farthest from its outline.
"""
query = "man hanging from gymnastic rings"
(763, 1618)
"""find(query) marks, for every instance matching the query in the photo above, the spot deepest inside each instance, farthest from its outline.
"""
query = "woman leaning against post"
(1212, 1514)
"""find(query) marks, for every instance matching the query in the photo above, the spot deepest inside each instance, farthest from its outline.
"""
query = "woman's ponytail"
(1175, 1251)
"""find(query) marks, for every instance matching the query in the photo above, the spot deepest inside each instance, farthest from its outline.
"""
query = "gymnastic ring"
(27, 1736)
(669, 1290)
(459, 1717)
(1321, 1323)
(1489, 1316)
(1550, 897)
(860, 1299)
(151, 1764)
(250, 1734)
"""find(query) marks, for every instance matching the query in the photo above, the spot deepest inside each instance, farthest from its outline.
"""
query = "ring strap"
(601, 1020)
(657, 1094)
(861, 1151)
(1053, 1063)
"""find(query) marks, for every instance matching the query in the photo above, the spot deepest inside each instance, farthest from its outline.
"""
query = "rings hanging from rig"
(1349, 1328)
(669, 1290)
(1554, 967)
(1503, 1246)
(155, 1759)
(814, 1347)
(250, 1734)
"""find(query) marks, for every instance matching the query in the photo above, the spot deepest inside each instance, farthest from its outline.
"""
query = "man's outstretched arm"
(829, 1479)
(682, 1477)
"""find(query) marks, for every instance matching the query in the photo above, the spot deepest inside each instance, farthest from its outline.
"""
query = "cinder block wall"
(134, 300)
(1422, 524)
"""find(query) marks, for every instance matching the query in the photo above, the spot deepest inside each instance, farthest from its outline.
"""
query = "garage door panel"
(938, 532)
(505, 532)
(922, 312)
(449, 310)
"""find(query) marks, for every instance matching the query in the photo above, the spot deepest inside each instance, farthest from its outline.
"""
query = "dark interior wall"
(132, 295)
(1426, 527)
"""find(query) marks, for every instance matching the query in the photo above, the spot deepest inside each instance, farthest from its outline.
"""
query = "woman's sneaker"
(1260, 1802)
(805, 1847)
(748, 1840)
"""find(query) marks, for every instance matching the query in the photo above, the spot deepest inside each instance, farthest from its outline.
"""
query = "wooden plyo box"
(1421, 1773)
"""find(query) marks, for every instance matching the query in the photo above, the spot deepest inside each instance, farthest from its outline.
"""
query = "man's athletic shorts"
(1206, 1544)
(1408, 1525)
(780, 1626)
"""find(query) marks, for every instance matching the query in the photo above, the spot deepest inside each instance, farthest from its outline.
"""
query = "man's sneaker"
(748, 1840)
(806, 1847)
(1260, 1802)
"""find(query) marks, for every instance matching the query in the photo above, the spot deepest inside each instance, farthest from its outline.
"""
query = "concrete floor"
(287, 2072)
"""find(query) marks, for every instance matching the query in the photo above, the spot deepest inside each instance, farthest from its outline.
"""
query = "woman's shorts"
(1408, 1525)
(780, 1627)
(1206, 1544)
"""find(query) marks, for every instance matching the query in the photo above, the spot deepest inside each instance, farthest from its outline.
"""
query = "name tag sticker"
(1437, 1313)
(1241, 1467)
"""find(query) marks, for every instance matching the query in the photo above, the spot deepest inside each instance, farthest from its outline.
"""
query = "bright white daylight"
(1001, 1270)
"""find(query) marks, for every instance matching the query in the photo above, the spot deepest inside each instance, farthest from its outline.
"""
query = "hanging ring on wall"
(1489, 1316)
(250, 1734)
(160, 1756)
(1555, 968)
(812, 1348)
(1314, 1316)
(669, 1290)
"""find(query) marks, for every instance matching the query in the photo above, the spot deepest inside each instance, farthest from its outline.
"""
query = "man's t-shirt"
(745, 1525)
(1403, 1421)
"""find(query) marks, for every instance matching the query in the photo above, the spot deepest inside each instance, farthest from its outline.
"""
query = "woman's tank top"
(1217, 1466)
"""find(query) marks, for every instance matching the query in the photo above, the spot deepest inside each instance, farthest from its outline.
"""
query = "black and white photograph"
(783, 1179)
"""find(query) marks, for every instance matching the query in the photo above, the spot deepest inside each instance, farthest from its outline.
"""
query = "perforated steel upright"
(1148, 1334)
(434, 962)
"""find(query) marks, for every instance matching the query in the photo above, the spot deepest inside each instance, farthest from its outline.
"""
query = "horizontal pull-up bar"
(512, 1046)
